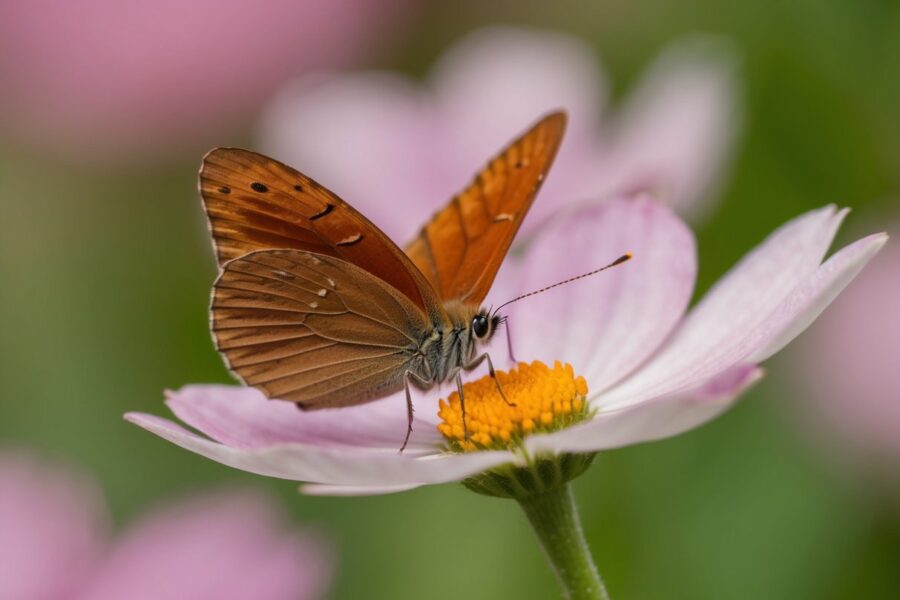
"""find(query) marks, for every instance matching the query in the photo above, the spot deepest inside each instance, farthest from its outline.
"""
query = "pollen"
(535, 399)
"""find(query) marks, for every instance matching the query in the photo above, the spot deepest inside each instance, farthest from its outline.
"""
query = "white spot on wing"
(350, 239)
(322, 292)
(314, 305)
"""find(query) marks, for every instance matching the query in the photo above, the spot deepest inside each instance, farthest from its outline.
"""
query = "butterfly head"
(484, 324)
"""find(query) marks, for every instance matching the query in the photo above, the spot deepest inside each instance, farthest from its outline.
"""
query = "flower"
(227, 545)
(846, 370)
(397, 150)
(650, 370)
(106, 80)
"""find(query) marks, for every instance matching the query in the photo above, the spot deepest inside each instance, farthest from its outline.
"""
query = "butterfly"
(315, 305)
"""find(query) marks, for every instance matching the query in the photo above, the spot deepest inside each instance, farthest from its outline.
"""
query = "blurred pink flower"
(53, 545)
(397, 151)
(652, 369)
(52, 526)
(848, 369)
(98, 78)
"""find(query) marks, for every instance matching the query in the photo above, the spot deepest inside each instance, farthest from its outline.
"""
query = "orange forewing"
(460, 250)
(255, 203)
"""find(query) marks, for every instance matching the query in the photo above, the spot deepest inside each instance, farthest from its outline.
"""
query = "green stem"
(554, 517)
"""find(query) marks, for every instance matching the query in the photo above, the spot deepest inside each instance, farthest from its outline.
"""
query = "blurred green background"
(106, 272)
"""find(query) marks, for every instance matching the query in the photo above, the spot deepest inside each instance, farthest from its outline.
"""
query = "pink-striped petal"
(608, 324)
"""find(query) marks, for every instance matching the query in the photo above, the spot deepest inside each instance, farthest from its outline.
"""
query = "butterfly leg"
(509, 345)
(420, 382)
(494, 377)
(491, 372)
(462, 404)
(409, 413)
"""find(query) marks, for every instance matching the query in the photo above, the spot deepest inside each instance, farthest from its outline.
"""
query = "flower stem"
(554, 517)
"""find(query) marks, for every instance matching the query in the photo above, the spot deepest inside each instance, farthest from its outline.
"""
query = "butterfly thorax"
(451, 343)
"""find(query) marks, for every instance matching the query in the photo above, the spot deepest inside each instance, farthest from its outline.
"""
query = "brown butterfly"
(316, 305)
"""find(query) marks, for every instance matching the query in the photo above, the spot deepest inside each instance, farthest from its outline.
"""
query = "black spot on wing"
(328, 208)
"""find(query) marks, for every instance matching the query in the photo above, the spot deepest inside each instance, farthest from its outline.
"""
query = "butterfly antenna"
(618, 261)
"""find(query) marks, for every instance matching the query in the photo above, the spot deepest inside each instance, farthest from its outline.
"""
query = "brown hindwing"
(313, 329)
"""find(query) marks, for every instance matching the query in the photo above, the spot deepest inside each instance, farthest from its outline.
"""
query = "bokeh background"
(105, 269)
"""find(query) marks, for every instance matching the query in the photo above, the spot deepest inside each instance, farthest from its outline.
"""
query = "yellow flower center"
(538, 399)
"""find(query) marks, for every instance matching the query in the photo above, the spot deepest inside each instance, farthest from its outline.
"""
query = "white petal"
(808, 301)
(723, 329)
(329, 464)
(243, 417)
(607, 324)
(315, 489)
(653, 419)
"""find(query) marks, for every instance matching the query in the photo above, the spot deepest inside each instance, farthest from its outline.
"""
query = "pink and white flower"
(653, 368)
(397, 150)
(54, 544)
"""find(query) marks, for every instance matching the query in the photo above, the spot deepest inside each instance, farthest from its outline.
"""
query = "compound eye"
(480, 326)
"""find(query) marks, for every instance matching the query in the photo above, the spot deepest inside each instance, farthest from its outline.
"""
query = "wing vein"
(323, 365)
